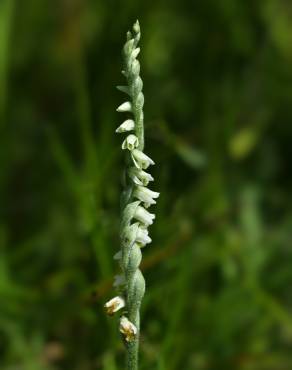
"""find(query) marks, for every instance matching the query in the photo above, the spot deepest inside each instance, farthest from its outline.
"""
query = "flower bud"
(125, 107)
(128, 125)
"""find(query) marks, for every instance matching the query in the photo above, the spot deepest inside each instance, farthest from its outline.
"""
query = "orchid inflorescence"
(135, 200)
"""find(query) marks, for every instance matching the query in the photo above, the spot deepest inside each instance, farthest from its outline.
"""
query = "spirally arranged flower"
(136, 197)
(114, 305)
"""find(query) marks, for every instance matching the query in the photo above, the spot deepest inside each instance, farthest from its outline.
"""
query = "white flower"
(114, 305)
(140, 177)
(128, 329)
(125, 107)
(142, 236)
(119, 280)
(140, 159)
(128, 47)
(131, 142)
(128, 125)
(144, 216)
(145, 195)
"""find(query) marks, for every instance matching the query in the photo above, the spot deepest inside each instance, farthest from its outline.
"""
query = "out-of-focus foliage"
(218, 87)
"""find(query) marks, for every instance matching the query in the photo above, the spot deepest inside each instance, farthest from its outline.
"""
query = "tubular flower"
(140, 159)
(131, 142)
(144, 216)
(135, 198)
(128, 329)
(139, 177)
(114, 305)
(145, 195)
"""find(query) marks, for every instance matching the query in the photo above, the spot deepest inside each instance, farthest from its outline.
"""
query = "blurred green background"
(218, 88)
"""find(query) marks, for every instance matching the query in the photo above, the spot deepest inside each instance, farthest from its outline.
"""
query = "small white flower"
(135, 179)
(140, 159)
(128, 125)
(125, 107)
(128, 329)
(144, 216)
(131, 142)
(145, 195)
(119, 280)
(114, 305)
(140, 177)
(142, 237)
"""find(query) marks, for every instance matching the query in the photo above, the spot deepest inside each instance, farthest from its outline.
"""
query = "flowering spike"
(135, 218)
(136, 26)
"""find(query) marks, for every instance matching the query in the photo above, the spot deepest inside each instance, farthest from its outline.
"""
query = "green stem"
(132, 355)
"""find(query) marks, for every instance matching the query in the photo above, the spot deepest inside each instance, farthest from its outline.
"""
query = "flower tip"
(136, 26)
